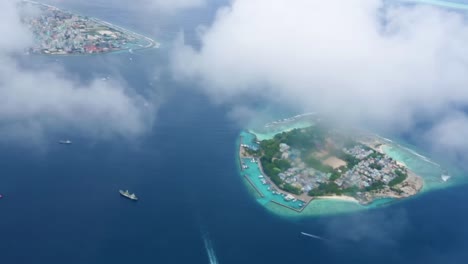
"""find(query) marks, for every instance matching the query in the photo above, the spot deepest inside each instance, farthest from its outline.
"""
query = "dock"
(255, 187)
(306, 200)
(291, 208)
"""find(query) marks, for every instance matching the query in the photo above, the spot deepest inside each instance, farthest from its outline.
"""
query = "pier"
(291, 208)
(255, 187)
(277, 196)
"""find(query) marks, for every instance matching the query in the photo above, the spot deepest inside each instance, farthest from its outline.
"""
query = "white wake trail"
(209, 250)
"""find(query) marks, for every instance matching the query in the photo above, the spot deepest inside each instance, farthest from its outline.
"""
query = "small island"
(59, 32)
(321, 161)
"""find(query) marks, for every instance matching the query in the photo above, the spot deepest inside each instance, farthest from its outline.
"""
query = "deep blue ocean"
(62, 204)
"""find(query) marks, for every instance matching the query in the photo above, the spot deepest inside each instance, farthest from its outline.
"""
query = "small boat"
(128, 195)
(445, 177)
(65, 142)
(1, 196)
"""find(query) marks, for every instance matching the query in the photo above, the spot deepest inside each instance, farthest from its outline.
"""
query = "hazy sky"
(364, 61)
(360, 60)
(35, 102)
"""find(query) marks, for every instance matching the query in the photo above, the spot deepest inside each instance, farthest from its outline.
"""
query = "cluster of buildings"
(369, 170)
(358, 152)
(59, 32)
(299, 175)
(378, 168)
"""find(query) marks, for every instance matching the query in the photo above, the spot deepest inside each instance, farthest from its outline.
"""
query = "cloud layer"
(34, 103)
(372, 61)
(173, 5)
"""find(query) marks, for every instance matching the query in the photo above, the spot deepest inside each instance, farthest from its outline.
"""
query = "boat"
(65, 142)
(445, 177)
(128, 195)
(1, 196)
(288, 197)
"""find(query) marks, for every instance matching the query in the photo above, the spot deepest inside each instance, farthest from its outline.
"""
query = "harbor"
(268, 192)
(60, 32)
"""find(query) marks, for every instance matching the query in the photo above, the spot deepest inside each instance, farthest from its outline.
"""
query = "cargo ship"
(128, 195)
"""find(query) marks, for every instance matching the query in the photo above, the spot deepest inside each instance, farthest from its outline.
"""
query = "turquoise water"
(450, 4)
(428, 169)
(423, 166)
(264, 192)
(270, 133)
(249, 139)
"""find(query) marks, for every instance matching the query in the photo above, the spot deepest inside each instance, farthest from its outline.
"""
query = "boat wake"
(209, 250)
(313, 236)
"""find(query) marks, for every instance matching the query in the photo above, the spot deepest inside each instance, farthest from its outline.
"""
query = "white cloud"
(449, 136)
(173, 5)
(34, 103)
(363, 60)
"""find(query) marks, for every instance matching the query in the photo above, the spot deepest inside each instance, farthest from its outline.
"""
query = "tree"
(400, 177)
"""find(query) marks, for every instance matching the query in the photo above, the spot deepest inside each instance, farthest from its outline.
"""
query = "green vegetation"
(289, 188)
(377, 185)
(272, 171)
(312, 146)
(282, 164)
(326, 188)
(270, 148)
(273, 166)
(318, 165)
(396, 190)
(376, 155)
(350, 160)
(335, 176)
(401, 177)
(310, 138)
(251, 152)
(351, 191)
(375, 166)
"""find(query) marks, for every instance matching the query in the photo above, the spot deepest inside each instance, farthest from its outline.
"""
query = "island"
(59, 32)
(322, 161)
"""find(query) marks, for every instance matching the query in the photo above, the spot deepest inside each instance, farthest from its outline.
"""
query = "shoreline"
(423, 175)
(151, 43)
(344, 198)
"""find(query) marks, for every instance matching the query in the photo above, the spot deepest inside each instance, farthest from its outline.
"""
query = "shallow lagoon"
(423, 166)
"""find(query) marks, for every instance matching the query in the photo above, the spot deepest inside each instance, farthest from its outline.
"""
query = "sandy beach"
(340, 198)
